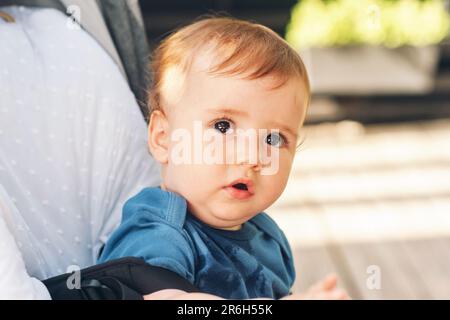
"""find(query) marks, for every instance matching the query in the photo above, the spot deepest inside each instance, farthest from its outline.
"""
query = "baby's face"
(223, 106)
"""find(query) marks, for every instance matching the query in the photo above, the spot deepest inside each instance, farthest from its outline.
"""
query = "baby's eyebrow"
(228, 111)
(284, 128)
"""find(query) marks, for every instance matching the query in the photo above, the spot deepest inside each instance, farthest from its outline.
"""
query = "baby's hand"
(325, 289)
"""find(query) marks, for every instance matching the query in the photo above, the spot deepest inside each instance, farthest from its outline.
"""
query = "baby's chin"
(223, 219)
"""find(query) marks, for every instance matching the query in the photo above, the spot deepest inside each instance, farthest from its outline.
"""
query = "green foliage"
(391, 23)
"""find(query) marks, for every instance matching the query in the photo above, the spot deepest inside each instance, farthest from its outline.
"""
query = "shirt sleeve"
(148, 236)
(15, 283)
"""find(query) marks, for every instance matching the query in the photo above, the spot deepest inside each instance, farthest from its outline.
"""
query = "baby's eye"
(223, 126)
(275, 140)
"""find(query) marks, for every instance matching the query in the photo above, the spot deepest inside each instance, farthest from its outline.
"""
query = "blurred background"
(369, 194)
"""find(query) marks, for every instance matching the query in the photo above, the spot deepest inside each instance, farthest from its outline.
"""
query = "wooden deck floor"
(372, 197)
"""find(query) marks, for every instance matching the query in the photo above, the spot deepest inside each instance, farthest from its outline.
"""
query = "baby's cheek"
(276, 183)
(276, 189)
(199, 179)
(180, 178)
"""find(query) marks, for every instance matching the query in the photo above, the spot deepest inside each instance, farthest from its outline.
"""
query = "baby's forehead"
(212, 62)
(206, 59)
(206, 56)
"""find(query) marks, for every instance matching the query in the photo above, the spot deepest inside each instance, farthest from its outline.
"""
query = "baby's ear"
(158, 136)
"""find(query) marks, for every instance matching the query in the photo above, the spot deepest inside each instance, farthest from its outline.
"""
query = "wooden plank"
(312, 264)
(430, 257)
(400, 279)
(311, 251)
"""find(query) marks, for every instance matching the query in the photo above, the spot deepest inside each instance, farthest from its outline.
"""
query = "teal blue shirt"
(255, 261)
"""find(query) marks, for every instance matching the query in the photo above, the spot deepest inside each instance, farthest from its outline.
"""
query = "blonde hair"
(240, 48)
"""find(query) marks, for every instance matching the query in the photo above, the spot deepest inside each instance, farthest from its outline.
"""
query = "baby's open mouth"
(241, 189)
(240, 186)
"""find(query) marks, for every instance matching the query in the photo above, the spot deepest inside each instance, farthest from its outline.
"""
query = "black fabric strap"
(107, 288)
(123, 279)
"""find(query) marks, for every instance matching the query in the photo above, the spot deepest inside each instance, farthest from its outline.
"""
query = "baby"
(242, 87)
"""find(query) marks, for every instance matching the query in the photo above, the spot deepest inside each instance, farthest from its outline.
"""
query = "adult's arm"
(15, 283)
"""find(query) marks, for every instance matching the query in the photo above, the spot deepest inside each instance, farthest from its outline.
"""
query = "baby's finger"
(336, 294)
(328, 283)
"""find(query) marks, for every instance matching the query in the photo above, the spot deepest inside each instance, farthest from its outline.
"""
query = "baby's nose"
(247, 155)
